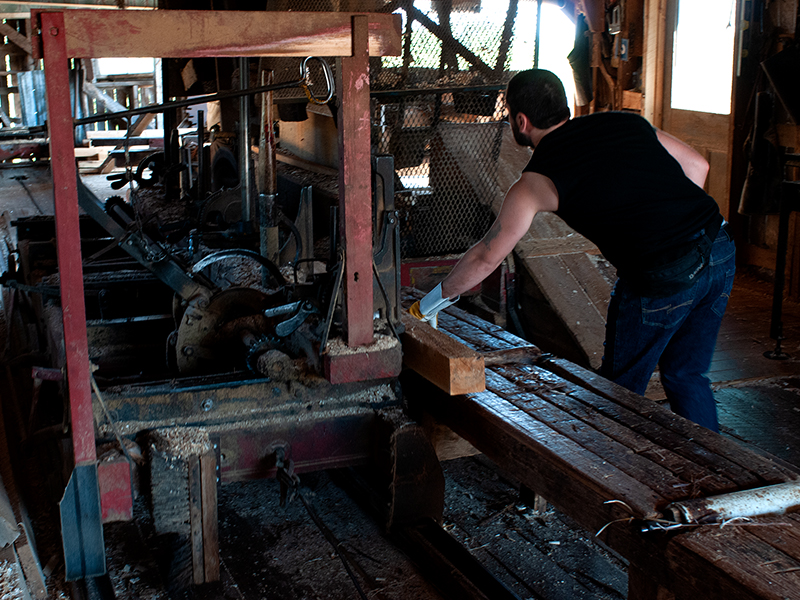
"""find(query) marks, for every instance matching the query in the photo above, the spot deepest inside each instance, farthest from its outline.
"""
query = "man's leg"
(687, 357)
(637, 332)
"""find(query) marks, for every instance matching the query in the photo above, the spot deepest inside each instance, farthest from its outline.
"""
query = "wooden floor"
(758, 399)
(745, 335)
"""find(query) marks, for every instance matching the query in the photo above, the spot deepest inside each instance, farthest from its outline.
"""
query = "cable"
(293, 483)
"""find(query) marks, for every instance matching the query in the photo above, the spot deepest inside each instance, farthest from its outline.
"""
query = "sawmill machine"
(231, 317)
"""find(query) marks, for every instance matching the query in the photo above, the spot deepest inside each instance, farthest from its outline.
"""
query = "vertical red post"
(68, 239)
(355, 187)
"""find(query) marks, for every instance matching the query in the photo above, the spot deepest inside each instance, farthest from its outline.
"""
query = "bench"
(613, 460)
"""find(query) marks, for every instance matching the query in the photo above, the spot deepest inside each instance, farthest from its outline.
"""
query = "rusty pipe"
(774, 499)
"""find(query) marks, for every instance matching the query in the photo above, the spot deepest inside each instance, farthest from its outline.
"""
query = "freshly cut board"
(442, 360)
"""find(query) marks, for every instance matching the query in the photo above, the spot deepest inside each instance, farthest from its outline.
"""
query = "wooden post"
(355, 187)
(68, 239)
(196, 520)
(208, 474)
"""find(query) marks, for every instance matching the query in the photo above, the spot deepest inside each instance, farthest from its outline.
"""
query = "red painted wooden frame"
(97, 33)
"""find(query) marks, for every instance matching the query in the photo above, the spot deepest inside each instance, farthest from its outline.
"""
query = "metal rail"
(153, 108)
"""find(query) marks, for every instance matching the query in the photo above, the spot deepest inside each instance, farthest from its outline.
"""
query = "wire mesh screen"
(438, 109)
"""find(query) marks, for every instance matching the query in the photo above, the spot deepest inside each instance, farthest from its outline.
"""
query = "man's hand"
(427, 308)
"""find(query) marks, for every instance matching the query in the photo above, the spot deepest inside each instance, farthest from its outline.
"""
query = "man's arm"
(530, 194)
(691, 161)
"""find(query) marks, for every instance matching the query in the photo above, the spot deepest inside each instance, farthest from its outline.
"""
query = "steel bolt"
(54, 31)
(187, 351)
(207, 403)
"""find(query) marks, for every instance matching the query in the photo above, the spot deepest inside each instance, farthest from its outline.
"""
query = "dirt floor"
(273, 553)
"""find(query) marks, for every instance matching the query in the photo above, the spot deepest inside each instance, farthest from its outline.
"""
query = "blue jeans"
(678, 333)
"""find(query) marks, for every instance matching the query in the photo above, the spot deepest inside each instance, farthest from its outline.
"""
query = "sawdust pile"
(182, 441)
(154, 209)
(10, 582)
(337, 346)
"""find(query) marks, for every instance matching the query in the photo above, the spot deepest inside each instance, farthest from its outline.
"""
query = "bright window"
(702, 67)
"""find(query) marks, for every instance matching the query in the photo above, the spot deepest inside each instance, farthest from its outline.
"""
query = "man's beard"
(521, 138)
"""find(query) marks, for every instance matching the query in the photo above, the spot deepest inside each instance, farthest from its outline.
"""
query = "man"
(636, 192)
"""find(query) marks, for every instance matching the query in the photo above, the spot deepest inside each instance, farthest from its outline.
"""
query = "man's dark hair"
(539, 95)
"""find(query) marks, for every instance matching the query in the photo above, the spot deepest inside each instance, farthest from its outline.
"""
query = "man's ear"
(522, 121)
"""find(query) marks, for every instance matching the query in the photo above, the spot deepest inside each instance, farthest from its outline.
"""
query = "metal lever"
(289, 325)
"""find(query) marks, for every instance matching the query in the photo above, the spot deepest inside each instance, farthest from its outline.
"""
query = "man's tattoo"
(492, 234)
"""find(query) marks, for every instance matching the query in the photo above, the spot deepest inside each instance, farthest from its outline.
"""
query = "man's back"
(621, 188)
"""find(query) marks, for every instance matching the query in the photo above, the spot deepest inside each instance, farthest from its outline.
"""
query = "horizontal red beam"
(198, 33)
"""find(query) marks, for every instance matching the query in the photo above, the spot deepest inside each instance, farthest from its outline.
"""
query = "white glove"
(427, 309)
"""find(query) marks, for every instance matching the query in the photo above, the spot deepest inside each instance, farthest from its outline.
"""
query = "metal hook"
(329, 83)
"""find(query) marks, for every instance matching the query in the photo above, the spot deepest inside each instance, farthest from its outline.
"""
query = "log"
(445, 362)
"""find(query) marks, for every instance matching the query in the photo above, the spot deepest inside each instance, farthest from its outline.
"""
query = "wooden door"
(708, 132)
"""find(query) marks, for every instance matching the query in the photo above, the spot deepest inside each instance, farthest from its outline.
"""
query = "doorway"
(698, 74)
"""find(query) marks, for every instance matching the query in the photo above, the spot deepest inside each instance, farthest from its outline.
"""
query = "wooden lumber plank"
(539, 466)
(546, 461)
(782, 532)
(638, 415)
(729, 562)
(693, 477)
(642, 587)
(489, 328)
(531, 247)
(447, 444)
(470, 336)
(196, 520)
(442, 360)
(656, 477)
(196, 33)
(208, 474)
(453, 315)
(565, 294)
(641, 423)
(469, 330)
(527, 355)
(296, 161)
(767, 471)
(597, 287)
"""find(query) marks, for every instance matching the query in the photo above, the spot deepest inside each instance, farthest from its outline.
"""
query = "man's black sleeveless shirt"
(619, 187)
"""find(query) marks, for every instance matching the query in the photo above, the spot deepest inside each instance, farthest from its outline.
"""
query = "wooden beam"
(526, 355)
(594, 10)
(208, 476)
(196, 520)
(447, 38)
(65, 192)
(16, 37)
(447, 363)
(355, 187)
(655, 40)
(95, 92)
(197, 33)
